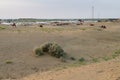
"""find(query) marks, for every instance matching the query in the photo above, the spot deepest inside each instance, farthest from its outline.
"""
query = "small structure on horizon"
(14, 25)
(103, 26)
(41, 25)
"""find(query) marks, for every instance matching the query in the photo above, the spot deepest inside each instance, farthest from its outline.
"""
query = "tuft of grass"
(19, 30)
(56, 50)
(1, 28)
(82, 59)
(106, 58)
(83, 29)
(8, 62)
(116, 54)
(50, 48)
(95, 59)
(99, 29)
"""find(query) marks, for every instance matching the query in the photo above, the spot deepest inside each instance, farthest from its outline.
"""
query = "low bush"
(82, 59)
(52, 49)
(106, 58)
(116, 54)
(95, 59)
(38, 51)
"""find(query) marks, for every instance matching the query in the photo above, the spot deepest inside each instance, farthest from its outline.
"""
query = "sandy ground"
(17, 44)
(101, 71)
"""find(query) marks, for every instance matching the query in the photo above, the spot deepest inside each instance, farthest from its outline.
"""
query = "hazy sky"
(59, 8)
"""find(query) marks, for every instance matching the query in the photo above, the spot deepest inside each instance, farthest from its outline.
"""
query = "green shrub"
(95, 60)
(38, 51)
(116, 54)
(45, 47)
(81, 59)
(56, 50)
(52, 49)
(106, 58)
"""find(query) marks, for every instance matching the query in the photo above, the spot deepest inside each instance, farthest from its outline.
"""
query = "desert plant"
(1, 28)
(38, 51)
(106, 58)
(116, 54)
(95, 60)
(81, 59)
(45, 47)
(99, 29)
(56, 50)
(50, 48)
(8, 62)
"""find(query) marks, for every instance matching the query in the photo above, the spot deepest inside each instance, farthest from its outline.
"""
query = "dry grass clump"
(50, 48)
(8, 62)
(116, 54)
(1, 28)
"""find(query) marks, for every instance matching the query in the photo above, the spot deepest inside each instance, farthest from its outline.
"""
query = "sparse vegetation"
(81, 59)
(95, 59)
(52, 49)
(79, 43)
(106, 58)
(99, 29)
(1, 28)
(116, 54)
(38, 51)
(8, 62)
(83, 29)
